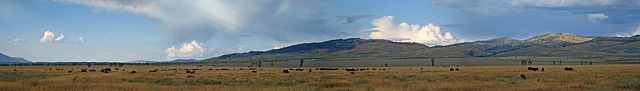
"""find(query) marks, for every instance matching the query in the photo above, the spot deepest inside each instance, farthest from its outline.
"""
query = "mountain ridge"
(7, 59)
(546, 45)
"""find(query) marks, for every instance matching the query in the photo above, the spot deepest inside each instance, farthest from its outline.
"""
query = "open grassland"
(592, 77)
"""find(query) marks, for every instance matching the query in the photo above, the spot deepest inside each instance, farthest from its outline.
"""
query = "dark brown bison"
(15, 70)
(154, 70)
(533, 68)
(188, 71)
(70, 71)
(542, 69)
(523, 77)
(254, 71)
(92, 70)
(285, 71)
(568, 68)
(457, 69)
(132, 72)
(451, 69)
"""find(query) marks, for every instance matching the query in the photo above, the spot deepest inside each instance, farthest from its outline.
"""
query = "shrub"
(631, 85)
(590, 82)
(360, 81)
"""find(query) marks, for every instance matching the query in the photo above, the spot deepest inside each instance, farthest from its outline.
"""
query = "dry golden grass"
(595, 77)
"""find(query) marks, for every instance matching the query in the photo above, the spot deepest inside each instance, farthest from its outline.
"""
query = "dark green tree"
(301, 61)
(386, 65)
(259, 64)
(271, 64)
(554, 62)
(590, 62)
(581, 62)
(560, 62)
(433, 62)
(530, 61)
(88, 65)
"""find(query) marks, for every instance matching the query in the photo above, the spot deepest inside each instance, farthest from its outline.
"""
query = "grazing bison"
(193, 72)
(154, 70)
(14, 70)
(451, 69)
(542, 69)
(533, 68)
(83, 70)
(70, 71)
(352, 73)
(285, 71)
(457, 69)
(254, 71)
(133, 72)
(188, 71)
(309, 70)
(92, 70)
(523, 77)
(568, 68)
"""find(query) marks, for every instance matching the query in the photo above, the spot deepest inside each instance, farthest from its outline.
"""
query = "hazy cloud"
(483, 19)
(427, 34)
(20, 40)
(81, 39)
(594, 17)
(348, 19)
(49, 37)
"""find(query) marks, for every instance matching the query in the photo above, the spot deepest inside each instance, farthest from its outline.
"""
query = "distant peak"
(500, 40)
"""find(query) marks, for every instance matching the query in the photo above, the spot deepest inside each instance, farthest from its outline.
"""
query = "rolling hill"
(7, 59)
(547, 45)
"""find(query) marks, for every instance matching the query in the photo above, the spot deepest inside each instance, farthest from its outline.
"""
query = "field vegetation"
(584, 77)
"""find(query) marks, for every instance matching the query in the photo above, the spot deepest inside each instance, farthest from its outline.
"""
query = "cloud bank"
(202, 20)
(49, 37)
(427, 34)
(594, 17)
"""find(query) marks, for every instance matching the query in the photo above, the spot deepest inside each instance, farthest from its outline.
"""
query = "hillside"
(547, 45)
(353, 48)
(7, 59)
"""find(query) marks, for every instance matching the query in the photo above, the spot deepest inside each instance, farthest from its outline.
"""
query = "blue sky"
(126, 30)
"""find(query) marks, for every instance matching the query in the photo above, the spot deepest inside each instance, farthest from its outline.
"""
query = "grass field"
(592, 77)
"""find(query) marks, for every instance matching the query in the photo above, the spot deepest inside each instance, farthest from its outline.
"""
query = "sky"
(158, 30)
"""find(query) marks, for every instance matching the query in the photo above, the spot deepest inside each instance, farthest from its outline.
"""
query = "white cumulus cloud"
(49, 37)
(594, 17)
(427, 34)
(81, 39)
(193, 49)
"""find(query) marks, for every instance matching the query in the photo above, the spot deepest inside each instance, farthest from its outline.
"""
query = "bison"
(188, 71)
(132, 72)
(568, 68)
(70, 71)
(451, 69)
(457, 69)
(523, 77)
(154, 70)
(254, 71)
(533, 68)
(542, 69)
(285, 71)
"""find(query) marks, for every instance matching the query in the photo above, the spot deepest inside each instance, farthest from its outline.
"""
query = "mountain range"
(7, 59)
(547, 45)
